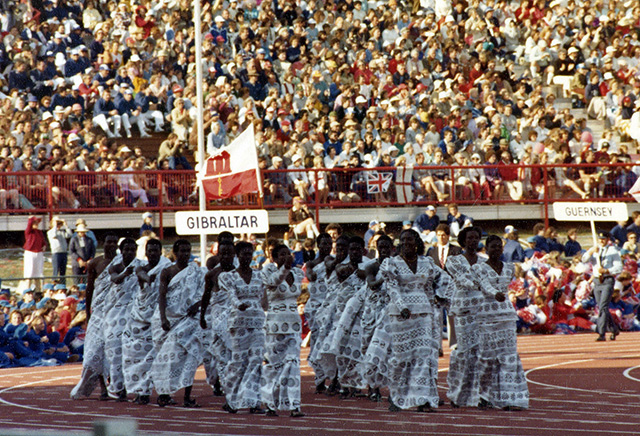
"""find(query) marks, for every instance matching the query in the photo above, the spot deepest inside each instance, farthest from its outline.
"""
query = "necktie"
(442, 258)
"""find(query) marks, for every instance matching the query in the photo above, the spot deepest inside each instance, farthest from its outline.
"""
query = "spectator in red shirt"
(509, 174)
(34, 245)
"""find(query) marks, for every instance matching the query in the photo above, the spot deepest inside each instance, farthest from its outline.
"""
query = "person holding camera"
(171, 149)
(58, 234)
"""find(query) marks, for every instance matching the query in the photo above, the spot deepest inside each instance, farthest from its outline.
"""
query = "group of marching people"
(374, 324)
(144, 332)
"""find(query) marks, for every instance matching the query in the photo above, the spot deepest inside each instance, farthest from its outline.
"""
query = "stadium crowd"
(326, 84)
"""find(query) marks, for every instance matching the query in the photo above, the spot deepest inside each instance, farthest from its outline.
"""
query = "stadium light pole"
(197, 22)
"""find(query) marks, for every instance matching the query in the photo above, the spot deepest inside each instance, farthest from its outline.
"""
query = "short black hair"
(178, 243)
(127, 241)
(462, 236)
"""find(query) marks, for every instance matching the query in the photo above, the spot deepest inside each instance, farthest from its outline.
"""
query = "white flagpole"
(197, 22)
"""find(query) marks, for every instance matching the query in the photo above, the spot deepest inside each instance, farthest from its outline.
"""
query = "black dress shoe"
(257, 411)
(143, 400)
(217, 389)
(321, 388)
(297, 413)
(191, 403)
(601, 339)
(271, 412)
(164, 400)
(484, 404)
(613, 335)
(513, 408)
(228, 408)
(426, 408)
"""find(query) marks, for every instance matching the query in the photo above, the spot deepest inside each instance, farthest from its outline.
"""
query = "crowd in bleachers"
(326, 84)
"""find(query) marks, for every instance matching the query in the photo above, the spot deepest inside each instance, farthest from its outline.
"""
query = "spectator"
(572, 246)
(34, 245)
(58, 235)
(301, 221)
(539, 240)
(147, 223)
(426, 224)
(513, 251)
(81, 249)
(456, 220)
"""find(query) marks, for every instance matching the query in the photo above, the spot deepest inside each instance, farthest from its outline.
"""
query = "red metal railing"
(162, 191)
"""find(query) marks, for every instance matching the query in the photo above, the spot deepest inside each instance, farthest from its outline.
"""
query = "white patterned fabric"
(462, 378)
(502, 379)
(280, 384)
(138, 351)
(341, 293)
(246, 331)
(119, 307)
(179, 351)
(216, 341)
(317, 294)
(93, 364)
(413, 362)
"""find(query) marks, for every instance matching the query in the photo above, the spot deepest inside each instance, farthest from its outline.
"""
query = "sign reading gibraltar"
(215, 222)
(590, 211)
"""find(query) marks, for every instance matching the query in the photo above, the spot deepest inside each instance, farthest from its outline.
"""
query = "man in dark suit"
(439, 253)
(443, 249)
(81, 250)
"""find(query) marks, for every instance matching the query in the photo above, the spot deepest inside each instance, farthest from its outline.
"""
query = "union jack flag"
(378, 182)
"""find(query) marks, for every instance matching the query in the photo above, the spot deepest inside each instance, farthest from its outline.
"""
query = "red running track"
(578, 387)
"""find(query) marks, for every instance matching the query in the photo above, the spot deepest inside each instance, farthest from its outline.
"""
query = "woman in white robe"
(462, 377)
(414, 282)
(246, 330)
(280, 385)
(502, 380)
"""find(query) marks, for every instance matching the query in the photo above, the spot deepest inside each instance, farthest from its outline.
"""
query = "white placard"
(590, 211)
(215, 222)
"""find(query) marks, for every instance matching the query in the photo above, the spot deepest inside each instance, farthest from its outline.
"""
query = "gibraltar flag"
(233, 170)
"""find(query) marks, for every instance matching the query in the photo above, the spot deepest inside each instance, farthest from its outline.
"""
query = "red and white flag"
(635, 190)
(378, 182)
(233, 169)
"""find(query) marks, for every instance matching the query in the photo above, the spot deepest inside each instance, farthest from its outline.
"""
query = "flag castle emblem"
(378, 182)
(233, 169)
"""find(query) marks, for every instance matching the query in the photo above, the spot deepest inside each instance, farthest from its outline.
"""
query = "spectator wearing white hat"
(299, 179)
(130, 112)
(105, 113)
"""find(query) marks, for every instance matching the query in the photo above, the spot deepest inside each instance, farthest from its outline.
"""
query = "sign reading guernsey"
(590, 211)
(215, 222)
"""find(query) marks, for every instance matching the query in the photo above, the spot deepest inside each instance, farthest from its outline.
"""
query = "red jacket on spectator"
(508, 171)
(34, 239)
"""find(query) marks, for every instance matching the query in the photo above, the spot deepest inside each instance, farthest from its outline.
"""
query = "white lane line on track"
(567, 388)
(627, 373)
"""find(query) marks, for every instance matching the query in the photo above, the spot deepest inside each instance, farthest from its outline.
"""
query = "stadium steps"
(149, 146)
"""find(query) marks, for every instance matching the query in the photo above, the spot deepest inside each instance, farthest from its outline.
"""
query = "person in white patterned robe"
(280, 384)
(124, 285)
(345, 344)
(414, 282)
(94, 370)
(326, 368)
(502, 380)
(323, 359)
(246, 330)
(462, 378)
(213, 319)
(316, 274)
(179, 342)
(138, 351)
